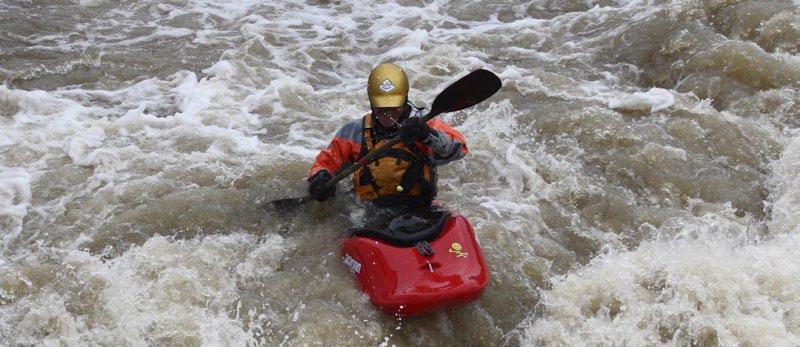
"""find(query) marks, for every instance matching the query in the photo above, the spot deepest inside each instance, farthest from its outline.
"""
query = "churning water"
(633, 183)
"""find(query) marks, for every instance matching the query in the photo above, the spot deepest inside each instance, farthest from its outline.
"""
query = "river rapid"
(632, 183)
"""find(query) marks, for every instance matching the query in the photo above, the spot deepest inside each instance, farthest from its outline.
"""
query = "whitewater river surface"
(632, 184)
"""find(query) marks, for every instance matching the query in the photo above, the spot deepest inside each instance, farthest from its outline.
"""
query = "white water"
(633, 183)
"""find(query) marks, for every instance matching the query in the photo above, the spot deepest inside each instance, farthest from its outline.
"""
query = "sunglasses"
(389, 116)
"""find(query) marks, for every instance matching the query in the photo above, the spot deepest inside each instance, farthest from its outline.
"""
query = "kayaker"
(404, 177)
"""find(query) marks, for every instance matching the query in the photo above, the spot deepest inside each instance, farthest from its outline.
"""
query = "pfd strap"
(425, 248)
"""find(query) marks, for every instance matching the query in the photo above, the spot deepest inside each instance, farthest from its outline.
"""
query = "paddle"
(468, 91)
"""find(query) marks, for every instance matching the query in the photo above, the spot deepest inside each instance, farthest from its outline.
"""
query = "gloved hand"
(414, 129)
(316, 186)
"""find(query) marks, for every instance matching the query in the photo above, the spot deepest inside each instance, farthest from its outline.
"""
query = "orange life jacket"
(401, 175)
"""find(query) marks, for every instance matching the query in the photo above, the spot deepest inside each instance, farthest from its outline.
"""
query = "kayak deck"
(431, 275)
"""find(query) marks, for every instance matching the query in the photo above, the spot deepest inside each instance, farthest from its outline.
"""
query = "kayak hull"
(402, 281)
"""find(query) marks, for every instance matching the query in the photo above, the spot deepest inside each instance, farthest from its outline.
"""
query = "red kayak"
(418, 263)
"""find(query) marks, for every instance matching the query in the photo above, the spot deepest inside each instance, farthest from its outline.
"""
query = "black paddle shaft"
(468, 91)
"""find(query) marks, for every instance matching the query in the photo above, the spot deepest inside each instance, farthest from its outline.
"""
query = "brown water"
(631, 184)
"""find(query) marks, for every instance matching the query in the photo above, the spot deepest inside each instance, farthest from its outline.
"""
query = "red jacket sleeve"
(343, 150)
(451, 132)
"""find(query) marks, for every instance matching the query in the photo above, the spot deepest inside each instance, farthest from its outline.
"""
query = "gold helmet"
(387, 86)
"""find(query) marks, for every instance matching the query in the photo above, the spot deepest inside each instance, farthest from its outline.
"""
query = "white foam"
(409, 46)
(263, 260)
(161, 285)
(15, 193)
(236, 144)
(15, 200)
(785, 190)
(92, 3)
(173, 32)
(654, 100)
(697, 286)
(82, 148)
(300, 151)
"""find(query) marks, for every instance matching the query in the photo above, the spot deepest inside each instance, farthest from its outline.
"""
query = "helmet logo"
(386, 86)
